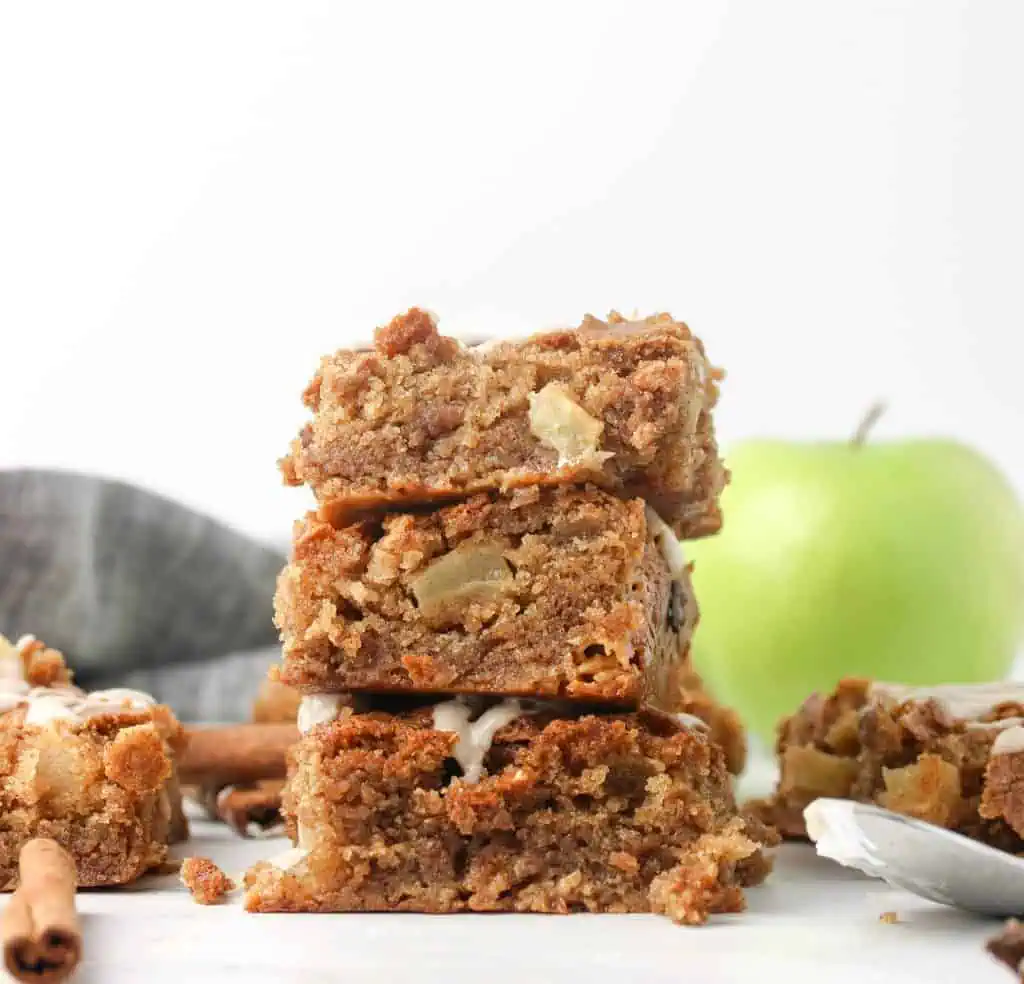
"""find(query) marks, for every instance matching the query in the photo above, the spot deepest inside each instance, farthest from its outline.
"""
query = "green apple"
(900, 561)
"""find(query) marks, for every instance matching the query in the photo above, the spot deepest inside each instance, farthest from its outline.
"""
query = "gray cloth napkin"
(137, 591)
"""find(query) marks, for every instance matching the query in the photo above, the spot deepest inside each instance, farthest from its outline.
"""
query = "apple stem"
(868, 421)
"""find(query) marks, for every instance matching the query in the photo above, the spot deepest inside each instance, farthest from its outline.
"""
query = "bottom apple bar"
(475, 804)
(951, 755)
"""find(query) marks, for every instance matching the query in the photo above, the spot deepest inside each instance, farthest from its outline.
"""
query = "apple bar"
(951, 755)
(476, 804)
(549, 592)
(92, 771)
(422, 417)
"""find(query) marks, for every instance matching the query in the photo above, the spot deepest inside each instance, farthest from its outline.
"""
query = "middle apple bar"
(562, 592)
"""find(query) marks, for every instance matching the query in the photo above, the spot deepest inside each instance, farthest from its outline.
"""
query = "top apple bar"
(422, 417)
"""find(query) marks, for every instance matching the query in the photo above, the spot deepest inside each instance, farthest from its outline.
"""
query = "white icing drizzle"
(305, 837)
(668, 543)
(48, 704)
(12, 693)
(317, 709)
(70, 704)
(968, 703)
(1008, 741)
(13, 686)
(691, 721)
(475, 737)
(962, 701)
(290, 859)
(101, 700)
(10, 662)
(999, 725)
(48, 708)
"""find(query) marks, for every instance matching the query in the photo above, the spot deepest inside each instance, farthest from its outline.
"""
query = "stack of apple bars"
(489, 616)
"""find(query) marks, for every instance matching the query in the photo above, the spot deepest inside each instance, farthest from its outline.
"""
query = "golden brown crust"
(602, 813)
(420, 418)
(205, 881)
(44, 667)
(137, 759)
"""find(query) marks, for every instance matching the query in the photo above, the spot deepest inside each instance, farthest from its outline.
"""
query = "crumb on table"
(890, 917)
(207, 883)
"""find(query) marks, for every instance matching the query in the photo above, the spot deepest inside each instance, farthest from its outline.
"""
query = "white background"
(198, 199)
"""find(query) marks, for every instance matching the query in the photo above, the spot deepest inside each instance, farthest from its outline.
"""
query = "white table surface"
(813, 921)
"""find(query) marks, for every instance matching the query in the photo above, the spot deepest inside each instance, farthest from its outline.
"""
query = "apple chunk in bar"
(487, 804)
(420, 417)
(558, 592)
(952, 755)
(92, 771)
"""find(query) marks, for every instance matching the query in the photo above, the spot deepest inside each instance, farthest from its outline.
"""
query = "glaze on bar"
(475, 737)
(963, 701)
(48, 704)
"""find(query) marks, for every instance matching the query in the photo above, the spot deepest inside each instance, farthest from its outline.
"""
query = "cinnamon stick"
(41, 935)
(241, 807)
(236, 754)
